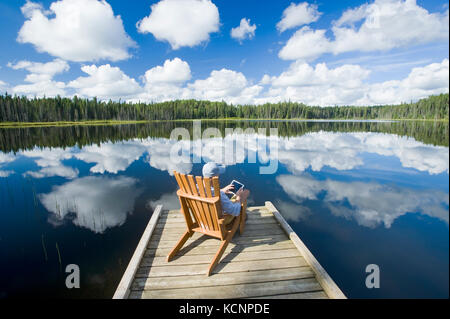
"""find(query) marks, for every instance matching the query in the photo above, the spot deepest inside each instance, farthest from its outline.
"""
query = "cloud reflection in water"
(370, 204)
(98, 203)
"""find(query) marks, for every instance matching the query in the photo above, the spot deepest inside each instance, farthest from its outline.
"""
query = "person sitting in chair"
(231, 208)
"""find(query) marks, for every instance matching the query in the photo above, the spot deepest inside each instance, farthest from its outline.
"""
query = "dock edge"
(123, 289)
(327, 283)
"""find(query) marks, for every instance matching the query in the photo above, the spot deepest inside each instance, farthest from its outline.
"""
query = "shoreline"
(125, 122)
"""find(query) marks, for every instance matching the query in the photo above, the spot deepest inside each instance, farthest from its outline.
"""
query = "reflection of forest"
(15, 139)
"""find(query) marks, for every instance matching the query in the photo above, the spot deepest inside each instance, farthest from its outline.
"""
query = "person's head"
(213, 169)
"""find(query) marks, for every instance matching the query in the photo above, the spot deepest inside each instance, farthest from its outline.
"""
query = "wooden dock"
(268, 261)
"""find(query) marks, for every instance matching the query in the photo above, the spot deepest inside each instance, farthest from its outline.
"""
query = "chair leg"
(179, 245)
(222, 248)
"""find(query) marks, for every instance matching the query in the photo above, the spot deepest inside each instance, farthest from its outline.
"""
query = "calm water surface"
(357, 193)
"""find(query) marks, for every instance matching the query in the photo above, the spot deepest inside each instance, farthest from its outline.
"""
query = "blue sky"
(329, 52)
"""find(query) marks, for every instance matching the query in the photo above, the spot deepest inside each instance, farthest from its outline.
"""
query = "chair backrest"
(200, 204)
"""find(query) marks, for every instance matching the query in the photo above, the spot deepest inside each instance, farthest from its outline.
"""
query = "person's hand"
(228, 189)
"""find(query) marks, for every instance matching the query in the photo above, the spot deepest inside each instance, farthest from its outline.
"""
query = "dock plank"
(176, 234)
(261, 228)
(301, 295)
(180, 223)
(188, 259)
(222, 279)
(203, 250)
(239, 266)
(204, 241)
(234, 291)
(252, 214)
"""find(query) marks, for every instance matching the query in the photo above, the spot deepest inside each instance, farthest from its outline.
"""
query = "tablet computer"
(237, 186)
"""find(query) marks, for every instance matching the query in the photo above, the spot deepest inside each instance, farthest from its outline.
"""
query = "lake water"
(357, 193)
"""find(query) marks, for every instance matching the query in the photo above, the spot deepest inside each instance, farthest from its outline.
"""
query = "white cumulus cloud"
(347, 85)
(181, 22)
(303, 74)
(105, 82)
(227, 85)
(420, 83)
(76, 30)
(244, 31)
(40, 78)
(298, 14)
(165, 82)
(172, 72)
(317, 85)
(48, 69)
(384, 25)
(306, 44)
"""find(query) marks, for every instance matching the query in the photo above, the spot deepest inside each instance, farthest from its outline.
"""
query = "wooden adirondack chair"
(203, 213)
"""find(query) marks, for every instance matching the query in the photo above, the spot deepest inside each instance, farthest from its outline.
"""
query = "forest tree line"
(56, 109)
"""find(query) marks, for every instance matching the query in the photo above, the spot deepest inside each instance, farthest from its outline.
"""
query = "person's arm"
(228, 206)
